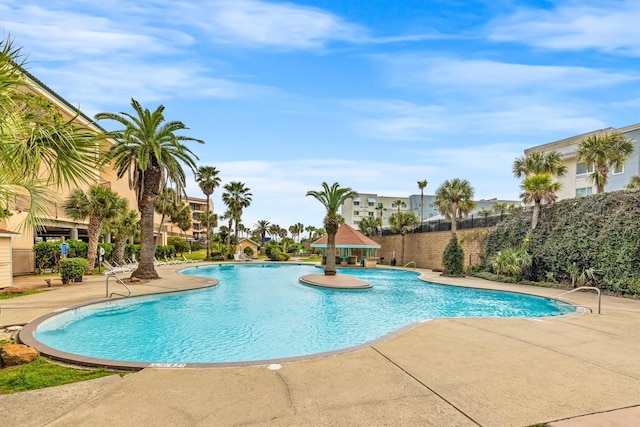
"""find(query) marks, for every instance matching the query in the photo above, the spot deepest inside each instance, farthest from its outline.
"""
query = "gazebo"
(350, 244)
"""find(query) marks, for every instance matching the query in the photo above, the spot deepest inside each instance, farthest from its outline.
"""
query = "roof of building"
(578, 138)
(7, 233)
(347, 237)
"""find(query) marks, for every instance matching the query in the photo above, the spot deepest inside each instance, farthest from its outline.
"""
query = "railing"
(579, 289)
(115, 293)
(472, 221)
(409, 263)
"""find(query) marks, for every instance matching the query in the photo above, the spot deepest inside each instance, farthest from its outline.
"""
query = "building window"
(585, 191)
(356, 213)
(370, 213)
(356, 203)
(582, 169)
(618, 170)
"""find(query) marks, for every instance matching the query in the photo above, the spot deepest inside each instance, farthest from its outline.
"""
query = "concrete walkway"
(580, 370)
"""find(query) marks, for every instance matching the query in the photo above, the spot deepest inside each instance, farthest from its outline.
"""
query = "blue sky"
(373, 94)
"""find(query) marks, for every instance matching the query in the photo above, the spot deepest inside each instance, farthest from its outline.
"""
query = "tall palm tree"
(403, 222)
(537, 189)
(123, 227)
(422, 185)
(38, 148)
(332, 198)
(604, 151)
(540, 162)
(236, 197)
(151, 153)
(98, 204)
(454, 200)
(262, 228)
(380, 208)
(208, 180)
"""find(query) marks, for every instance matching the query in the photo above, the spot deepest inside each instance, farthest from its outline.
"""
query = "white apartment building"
(576, 182)
(353, 210)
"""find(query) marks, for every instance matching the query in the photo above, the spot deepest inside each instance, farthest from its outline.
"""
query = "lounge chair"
(239, 257)
(189, 261)
(111, 269)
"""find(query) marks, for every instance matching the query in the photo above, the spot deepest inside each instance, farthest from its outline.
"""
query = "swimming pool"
(261, 312)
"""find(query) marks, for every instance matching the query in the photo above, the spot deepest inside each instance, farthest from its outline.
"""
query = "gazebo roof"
(347, 237)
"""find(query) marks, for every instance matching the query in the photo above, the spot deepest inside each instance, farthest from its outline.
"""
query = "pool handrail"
(409, 263)
(113, 274)
(579, 289)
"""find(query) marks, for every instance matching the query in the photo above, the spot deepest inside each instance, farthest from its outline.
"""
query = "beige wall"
(426, 248)
(6, 273)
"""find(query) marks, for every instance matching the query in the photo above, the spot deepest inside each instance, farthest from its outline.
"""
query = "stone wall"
(426, 248)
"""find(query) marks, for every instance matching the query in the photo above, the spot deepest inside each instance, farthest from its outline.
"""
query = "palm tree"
(398, 203)
(310, 229)
(369, 225)
(454, 200)
(332, 198)
(634, 183)
(380, 208)
(422, 185)
(236, 197)
(274, 230)
(151, 153)
(182, 217)
(403, 222)
(39, 149)
(262, 228)
(604, 151)
(208, 180)
(537, 189)
(123, 227)
(98, 204)
(540, 162)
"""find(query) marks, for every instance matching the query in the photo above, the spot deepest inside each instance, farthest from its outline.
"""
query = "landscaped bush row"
(47, 254)
(595, 239)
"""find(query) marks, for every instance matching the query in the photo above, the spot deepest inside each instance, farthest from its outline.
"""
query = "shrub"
(196, 246)
(72, 268)
(453, 258)
(248, 251)
(167, 251)
(46, 254)
(108, 250)
(77, 248)
(131, 250)
(511, 261)
(180, 245)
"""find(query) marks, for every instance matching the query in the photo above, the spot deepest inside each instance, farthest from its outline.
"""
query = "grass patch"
(19, 294)
(196, 255)
(41, 374)
(311, 259)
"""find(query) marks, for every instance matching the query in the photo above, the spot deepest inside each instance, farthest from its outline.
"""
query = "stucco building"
(576, 182)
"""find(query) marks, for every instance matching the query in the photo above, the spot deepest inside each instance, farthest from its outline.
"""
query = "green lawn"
(19, 294)
(41, 374)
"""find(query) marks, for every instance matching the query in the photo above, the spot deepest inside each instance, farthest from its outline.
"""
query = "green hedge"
(72, 269)
(599, 232)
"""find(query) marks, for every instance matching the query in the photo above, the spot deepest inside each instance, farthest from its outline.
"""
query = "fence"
(472, 221)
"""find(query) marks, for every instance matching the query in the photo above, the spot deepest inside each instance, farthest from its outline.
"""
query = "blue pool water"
(261, 312)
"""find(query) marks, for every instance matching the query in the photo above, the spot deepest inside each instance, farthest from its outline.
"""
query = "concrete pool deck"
(450, 372)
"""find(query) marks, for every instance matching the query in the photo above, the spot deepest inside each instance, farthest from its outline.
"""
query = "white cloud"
(424, 71)
(257, 24)
(575, 25)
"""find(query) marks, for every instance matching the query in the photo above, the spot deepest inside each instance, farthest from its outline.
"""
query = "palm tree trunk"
(93, 230)
(146, 205)
(208, 256)
(330, 265)
(454, 218)
(536, 214)
(119, 248)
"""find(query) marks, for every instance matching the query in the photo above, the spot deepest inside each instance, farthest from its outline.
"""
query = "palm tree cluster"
(538, 186)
